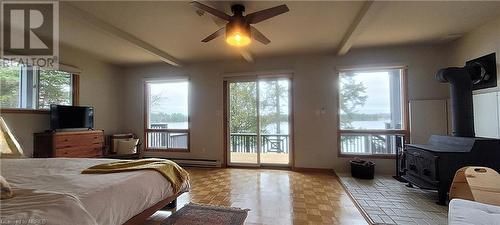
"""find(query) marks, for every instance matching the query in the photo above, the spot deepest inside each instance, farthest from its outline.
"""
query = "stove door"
(422, 164)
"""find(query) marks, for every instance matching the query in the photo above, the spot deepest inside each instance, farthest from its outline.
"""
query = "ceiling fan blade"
(246, 55)
(219, 6)
(219, 22)
(257, 35)
(211, 10)
(217, 33)
(265, 14)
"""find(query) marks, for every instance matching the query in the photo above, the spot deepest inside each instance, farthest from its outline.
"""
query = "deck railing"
(367, 144)
(247, 143)
(166, 139)
(279, 143)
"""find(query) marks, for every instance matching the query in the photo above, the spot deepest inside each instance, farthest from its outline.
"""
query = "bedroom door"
(258, 122)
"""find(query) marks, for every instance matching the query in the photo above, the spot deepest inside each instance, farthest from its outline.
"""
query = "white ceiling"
(426, 22)
(175, 27)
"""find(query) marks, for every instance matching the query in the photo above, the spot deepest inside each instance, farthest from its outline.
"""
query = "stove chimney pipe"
(461, 80)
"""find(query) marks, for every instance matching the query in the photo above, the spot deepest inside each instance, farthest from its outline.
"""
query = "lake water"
(370, 124)
(271, 128)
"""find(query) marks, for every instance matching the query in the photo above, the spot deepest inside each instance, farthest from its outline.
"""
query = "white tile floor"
(387, 201)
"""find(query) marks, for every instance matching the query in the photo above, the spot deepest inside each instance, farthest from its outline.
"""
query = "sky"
(377, 90)
(174, 97)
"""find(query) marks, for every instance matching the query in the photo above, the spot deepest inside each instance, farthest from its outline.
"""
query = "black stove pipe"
(462, 113)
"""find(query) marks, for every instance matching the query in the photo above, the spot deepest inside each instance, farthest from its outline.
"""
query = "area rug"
(387, 201)
(197, 214)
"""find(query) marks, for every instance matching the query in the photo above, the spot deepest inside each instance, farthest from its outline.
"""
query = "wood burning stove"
(433, 165)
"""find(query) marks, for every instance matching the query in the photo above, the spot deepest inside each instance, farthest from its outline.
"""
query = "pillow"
(115, 145)
(5, 188)
(127, 146)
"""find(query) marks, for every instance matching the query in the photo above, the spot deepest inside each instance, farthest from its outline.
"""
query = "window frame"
(404, 131)
(75, 96)
(147, 130)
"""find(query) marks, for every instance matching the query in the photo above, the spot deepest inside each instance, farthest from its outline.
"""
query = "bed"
(53, 191)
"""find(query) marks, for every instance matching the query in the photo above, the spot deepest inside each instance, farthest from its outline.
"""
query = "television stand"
(72, 144)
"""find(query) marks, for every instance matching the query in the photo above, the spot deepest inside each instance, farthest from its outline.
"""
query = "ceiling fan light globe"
(238, 39)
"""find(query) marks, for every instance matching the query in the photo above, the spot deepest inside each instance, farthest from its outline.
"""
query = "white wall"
(97, 88)
(427, 117)
(314, 87)
(100, 88)
(117, 96)
(481, 41)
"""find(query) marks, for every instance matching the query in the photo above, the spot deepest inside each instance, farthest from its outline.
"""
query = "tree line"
(54, 87)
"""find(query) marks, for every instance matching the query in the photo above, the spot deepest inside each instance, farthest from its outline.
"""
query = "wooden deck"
(272, 158)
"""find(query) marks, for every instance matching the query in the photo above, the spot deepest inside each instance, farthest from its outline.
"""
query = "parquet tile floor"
(273, 196)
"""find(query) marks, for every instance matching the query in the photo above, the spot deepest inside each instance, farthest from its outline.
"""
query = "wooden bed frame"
(139, 219)
(475, 183)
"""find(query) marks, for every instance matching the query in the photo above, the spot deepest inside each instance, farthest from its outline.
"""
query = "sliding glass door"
(259, 122)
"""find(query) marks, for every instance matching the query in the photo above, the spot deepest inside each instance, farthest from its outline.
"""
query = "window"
(167, 115)
(54, 87)
(372, 111)
(23, 87)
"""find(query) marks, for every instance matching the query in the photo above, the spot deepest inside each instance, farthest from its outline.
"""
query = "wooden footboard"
(140, 218)
(474, 183)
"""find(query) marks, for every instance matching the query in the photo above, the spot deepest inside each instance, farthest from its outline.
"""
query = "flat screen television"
(71, 117)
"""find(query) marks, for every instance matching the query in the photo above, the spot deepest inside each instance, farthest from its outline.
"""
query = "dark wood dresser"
(73, 144)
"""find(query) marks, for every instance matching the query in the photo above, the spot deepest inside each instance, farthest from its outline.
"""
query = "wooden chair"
(480, 184)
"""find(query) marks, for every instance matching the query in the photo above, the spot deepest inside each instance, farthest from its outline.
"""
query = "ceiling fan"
(238, 30)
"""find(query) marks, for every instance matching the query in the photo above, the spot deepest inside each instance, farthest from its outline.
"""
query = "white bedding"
(53, 191)
(465, 212)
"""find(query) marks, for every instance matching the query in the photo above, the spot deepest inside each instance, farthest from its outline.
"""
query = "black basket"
(362, 169)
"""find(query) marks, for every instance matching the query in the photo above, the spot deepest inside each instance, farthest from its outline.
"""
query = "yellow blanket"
(170, 170)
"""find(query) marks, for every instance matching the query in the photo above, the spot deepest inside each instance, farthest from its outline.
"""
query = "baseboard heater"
(197, 162)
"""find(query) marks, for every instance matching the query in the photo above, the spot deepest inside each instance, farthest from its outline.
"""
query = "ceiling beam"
(117, 32)
(360, 23)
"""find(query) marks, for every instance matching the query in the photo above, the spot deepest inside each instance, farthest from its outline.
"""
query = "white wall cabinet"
(487, 115)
